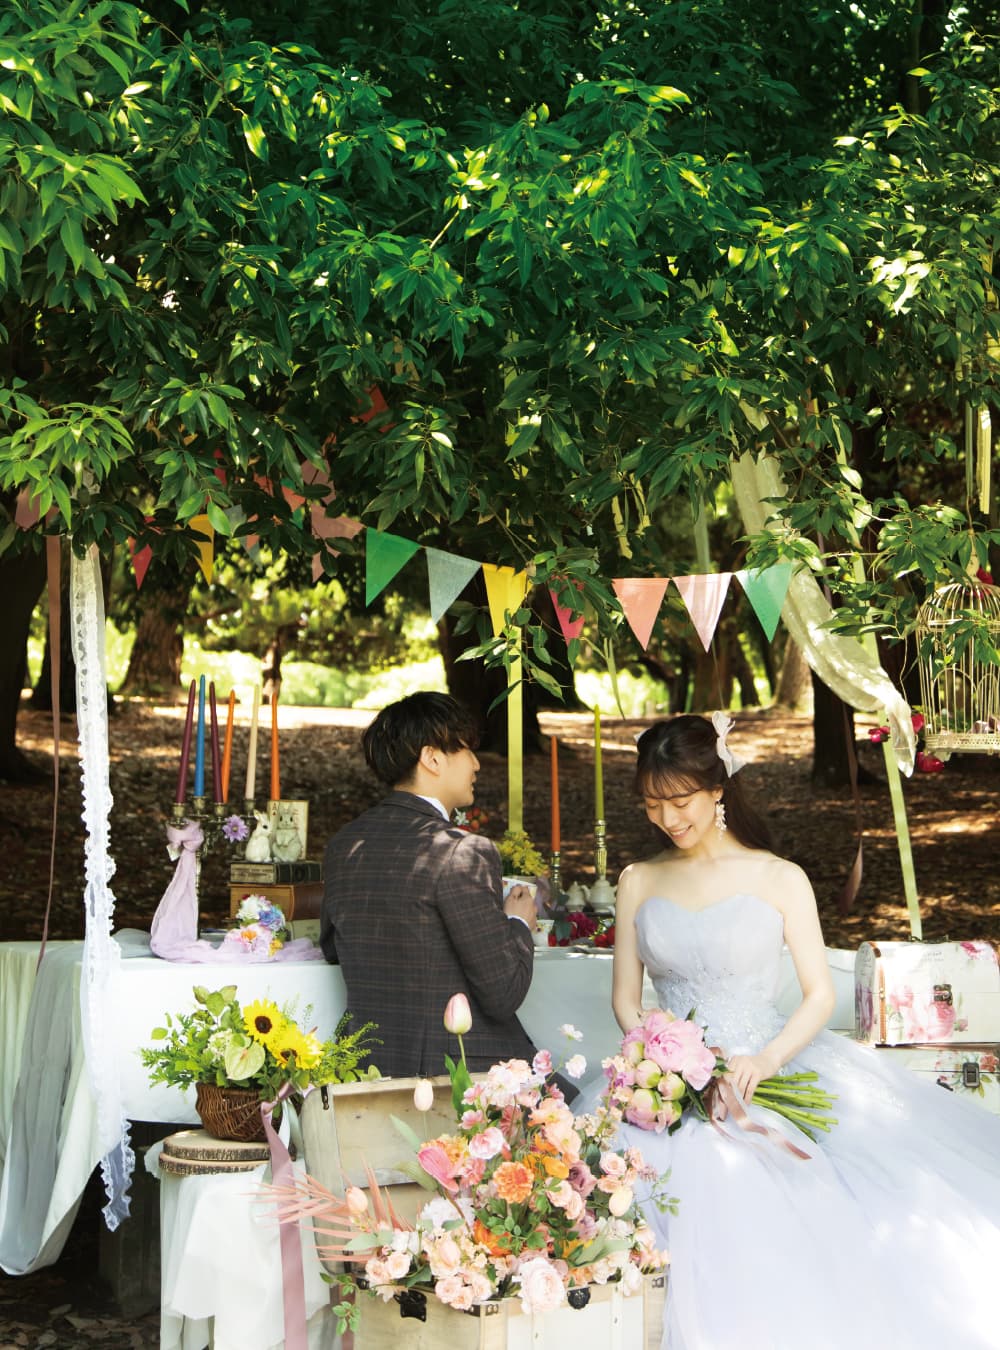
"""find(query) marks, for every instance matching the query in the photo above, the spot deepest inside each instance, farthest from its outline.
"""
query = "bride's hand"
(746, 1071)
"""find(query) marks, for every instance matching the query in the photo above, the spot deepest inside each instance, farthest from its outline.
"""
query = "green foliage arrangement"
(257, 1046)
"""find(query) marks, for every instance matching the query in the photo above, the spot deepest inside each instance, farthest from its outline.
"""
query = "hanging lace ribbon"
(99, 976)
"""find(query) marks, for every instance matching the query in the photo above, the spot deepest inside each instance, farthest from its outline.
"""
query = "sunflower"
(264, 1021)
(291, 1041)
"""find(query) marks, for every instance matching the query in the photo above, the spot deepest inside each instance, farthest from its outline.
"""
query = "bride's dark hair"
(681, 755)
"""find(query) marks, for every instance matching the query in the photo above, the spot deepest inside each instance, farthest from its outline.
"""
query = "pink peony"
(647, 1073)
(542, 1290)
(679, 1047)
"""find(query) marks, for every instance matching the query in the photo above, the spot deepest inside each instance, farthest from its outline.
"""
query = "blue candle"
(199, 748)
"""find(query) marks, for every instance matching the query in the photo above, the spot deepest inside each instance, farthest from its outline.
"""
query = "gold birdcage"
(960, 688)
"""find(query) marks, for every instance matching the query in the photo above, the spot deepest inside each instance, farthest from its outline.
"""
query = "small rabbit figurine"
(287, 846)
(259, 844)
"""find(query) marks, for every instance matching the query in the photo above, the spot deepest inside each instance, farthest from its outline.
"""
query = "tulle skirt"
(888, 1235)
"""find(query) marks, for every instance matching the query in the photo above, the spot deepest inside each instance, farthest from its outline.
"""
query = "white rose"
(542, 1290)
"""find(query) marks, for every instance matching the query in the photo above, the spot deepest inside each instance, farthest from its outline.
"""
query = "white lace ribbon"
(99, 977)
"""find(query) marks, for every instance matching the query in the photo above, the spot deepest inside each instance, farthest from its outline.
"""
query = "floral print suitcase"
(969, 1071)
(917, 993)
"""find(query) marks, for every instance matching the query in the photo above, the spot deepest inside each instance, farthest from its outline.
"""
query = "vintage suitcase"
(971, 1072)
(919, 993)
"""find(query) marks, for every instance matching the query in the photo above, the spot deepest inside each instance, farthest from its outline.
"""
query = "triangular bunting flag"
(640, 599)
(333, 527)
(571, 627)
(447, 576)
(201, 525)
(505, 589)
(385, 554)
(141, 558)
(766, 589)
(704, 594)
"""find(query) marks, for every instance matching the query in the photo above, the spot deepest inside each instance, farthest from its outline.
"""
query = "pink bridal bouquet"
(524, 1199)
(665, 1069)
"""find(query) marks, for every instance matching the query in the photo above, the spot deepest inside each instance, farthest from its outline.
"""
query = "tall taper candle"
(199, 744)
(275, 764)
(555, 795)
(185, 748)
(598, 768)
(252, 749)
(227, 749)
(214, 742)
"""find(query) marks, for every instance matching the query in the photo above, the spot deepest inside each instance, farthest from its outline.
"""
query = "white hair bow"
(723, 725)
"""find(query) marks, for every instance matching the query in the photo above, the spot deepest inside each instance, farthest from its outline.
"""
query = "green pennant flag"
(447, 576)
(766, 590)
(385, 554)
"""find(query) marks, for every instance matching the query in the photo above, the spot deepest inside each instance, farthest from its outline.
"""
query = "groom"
(413, 907)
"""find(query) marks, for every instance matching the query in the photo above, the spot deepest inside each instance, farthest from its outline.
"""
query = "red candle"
(217, 794)
(227, 749)
(275, 764)
(555, 795)
(186, 748)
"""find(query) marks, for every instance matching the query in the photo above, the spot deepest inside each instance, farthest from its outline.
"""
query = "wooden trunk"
(610, 1321)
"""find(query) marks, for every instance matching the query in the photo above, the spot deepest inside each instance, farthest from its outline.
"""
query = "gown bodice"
(723, 962)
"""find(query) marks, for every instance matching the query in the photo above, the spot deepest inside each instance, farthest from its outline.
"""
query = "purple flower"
(235, 829)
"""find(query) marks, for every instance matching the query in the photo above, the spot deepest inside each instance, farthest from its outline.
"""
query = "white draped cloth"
(842, 663)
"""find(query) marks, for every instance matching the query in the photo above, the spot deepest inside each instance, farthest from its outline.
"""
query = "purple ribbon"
(293, 1283)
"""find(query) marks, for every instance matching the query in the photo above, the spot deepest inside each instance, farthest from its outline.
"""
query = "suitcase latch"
(942, 994)
(970, 1074)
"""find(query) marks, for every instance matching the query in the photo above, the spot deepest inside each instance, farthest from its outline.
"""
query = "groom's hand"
(520, 904)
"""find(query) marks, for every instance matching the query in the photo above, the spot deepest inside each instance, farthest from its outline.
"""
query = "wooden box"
(610, 1321)
(347, 1127)
(297, 900)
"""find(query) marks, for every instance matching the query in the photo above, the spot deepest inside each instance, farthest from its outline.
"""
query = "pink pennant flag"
(640, 599)
(704, 595)
(571, 627)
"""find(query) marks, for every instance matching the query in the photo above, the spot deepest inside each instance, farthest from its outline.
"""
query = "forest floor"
(952, 819)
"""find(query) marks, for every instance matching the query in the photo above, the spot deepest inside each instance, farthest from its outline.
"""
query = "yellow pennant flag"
(201, 525)
(505, 590)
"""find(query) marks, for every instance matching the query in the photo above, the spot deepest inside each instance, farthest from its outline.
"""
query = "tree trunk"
(833, 737)
(793, 679)
(283, 640)
(155, 663)
(22, 578)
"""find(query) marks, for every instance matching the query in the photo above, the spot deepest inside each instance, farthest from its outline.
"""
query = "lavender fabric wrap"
(174, 932)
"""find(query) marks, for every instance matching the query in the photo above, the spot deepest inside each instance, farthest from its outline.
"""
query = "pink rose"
(454, 1291)
(542, 1290)
(581, 1178)
(542, 1063)
(487, 1144)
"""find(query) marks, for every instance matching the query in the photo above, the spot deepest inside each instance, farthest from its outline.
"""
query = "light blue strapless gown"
(887, 1236)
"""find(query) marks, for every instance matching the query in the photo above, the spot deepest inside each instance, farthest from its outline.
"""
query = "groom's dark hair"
(681, 755)
(393, 742)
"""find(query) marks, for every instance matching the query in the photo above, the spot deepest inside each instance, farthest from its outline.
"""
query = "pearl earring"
(720, 816)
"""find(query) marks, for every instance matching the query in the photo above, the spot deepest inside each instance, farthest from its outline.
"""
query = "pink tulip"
(423, 1095)
(458, 1015)
(357, 1201)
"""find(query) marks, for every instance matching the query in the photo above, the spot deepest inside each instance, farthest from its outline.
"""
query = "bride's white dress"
(888, 1235)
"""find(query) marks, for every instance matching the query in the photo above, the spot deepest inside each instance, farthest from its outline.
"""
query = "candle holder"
(602, 894)
(211, 816)
(555, 877)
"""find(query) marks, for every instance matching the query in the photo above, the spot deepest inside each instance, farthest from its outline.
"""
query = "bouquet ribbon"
(722, 1100)
(293, 1284)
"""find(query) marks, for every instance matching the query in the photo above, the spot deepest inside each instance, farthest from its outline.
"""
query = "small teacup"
(510, 882)
(541, 933)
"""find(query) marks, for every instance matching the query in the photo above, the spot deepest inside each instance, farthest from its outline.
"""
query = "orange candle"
(227, 749)
(275, 765)
(555, 795)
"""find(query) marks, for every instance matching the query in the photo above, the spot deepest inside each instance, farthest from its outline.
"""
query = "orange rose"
(555, 1167)
(513, 1182)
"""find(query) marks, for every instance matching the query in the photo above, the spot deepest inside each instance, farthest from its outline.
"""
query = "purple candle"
(216, 757)
(186, 748)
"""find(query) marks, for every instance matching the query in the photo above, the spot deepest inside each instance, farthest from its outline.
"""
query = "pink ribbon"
(722, 1099)
(293, 1283)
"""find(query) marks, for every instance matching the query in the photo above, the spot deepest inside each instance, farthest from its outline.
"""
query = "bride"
(889, 1232)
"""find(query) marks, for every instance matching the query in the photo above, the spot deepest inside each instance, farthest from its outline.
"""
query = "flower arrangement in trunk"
(527, 1200)
(259, 1046)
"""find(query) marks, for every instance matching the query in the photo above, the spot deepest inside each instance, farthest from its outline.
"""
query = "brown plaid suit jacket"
(413, 912)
